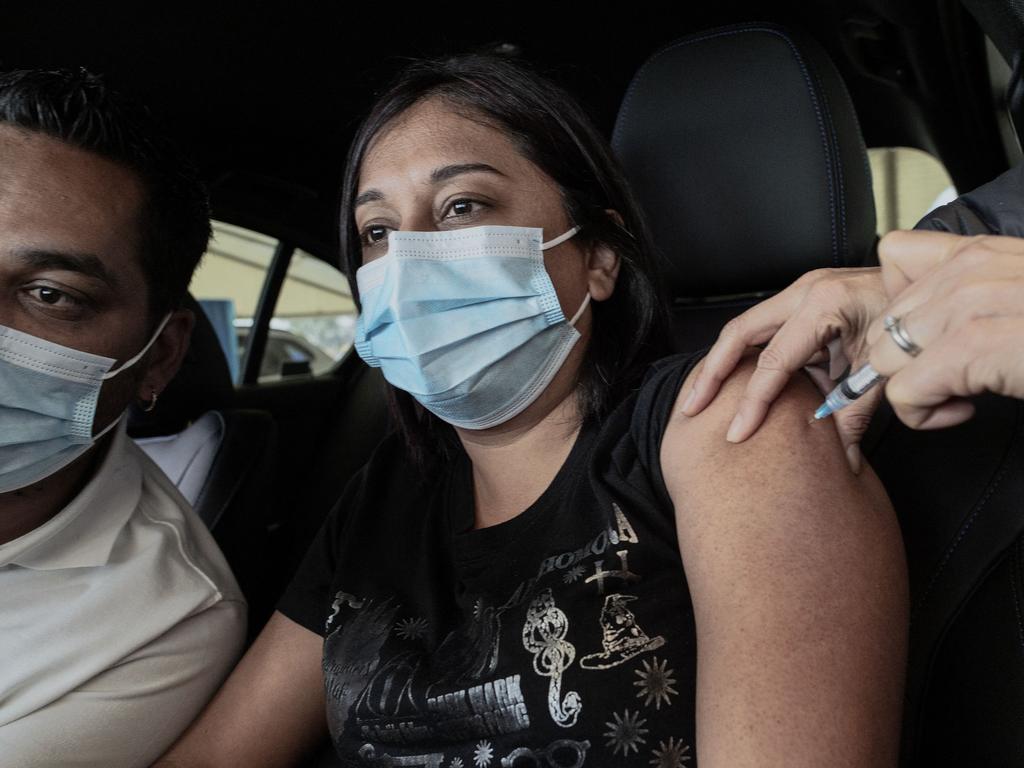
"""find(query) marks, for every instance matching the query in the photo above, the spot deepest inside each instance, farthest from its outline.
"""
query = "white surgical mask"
(467, 321)
(48, 398)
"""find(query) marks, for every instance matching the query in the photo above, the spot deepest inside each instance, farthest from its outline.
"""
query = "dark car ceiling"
(266, 95)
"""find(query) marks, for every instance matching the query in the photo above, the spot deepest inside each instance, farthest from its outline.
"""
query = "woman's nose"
(419, 221)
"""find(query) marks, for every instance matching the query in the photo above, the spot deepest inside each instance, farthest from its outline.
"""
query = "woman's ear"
(603, 266)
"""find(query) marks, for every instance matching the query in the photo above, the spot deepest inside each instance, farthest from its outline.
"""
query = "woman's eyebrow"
(437, 176)
(448, 172)
(369, 196)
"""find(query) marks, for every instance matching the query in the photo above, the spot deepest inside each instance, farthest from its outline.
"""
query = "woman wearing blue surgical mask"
(525, 570)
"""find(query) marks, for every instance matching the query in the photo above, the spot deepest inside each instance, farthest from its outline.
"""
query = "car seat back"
(746, 155)
(959, 494)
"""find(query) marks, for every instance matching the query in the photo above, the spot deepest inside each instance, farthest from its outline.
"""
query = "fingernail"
(689, 400)
(854, 456)
(736, 428)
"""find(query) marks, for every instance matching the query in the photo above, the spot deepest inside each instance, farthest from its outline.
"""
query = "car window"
(908, 183)
(313, 319)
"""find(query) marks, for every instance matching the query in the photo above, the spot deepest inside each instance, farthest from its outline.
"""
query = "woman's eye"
(461, 208)
(375, 233)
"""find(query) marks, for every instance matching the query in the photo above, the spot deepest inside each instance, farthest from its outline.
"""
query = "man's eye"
(53, 296)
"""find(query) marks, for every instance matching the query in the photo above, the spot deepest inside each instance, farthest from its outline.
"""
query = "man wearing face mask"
(118, 615)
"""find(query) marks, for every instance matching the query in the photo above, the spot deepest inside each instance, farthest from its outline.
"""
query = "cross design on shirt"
(623, 573)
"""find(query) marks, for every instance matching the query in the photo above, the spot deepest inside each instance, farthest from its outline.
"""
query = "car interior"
(757, 137)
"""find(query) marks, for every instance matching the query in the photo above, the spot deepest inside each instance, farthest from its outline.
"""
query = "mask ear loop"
(579, 312)
(133, 360)
(107, 428)
(561, 238)
(128, 364)
(558, 241)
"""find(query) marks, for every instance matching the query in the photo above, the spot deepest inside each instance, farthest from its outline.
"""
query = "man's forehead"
(16, 147)
(22, 149)
(60, 198)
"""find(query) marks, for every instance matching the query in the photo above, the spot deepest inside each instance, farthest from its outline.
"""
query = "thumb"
(908, 256)
(852, 422)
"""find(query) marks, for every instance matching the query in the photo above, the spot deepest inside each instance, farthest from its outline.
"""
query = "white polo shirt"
(119, 618)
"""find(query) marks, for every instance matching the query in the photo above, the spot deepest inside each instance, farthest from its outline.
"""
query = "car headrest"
(203, 383)
(745, 152)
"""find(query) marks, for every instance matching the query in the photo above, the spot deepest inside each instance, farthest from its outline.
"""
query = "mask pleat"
(467, 321)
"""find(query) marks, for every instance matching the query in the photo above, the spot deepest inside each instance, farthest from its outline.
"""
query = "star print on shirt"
(483, 754)
(626, 733)
(655, 683)
(671, 755)
(411, 629)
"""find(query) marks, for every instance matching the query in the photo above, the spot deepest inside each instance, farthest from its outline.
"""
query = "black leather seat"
(745, 152)
(960, 497)
(221, 458)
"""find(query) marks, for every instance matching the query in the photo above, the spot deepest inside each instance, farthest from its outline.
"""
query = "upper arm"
(270, 711)
(128, 714)
(798, 582)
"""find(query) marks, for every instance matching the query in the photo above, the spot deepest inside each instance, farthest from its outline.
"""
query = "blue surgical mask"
(466, 321)
(48, 397)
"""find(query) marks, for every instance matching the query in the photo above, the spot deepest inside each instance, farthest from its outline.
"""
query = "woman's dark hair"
(551, 130)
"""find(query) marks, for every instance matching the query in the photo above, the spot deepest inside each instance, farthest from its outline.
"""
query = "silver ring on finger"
(900, 336)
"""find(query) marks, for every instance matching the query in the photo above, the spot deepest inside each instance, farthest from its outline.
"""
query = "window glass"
(908, 183)
(314, 317)
(314, 320)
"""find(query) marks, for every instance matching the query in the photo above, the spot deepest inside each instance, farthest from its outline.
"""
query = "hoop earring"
(152, 402)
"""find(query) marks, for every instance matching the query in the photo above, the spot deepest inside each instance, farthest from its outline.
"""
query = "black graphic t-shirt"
(563, 637)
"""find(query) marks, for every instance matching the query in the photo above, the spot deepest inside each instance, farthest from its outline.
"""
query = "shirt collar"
(82, 534)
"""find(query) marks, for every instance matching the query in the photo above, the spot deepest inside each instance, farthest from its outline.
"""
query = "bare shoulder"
(788, 455)
(792, 562)
(782, 507)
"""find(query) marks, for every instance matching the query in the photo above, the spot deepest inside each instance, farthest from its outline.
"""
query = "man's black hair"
(550, 129)
(79, 109)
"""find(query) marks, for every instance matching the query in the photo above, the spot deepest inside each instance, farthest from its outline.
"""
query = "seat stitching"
(840, 182)
(951, 550)
(859, 134)
(634, 86)
(1014, 577)
(959, 538)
